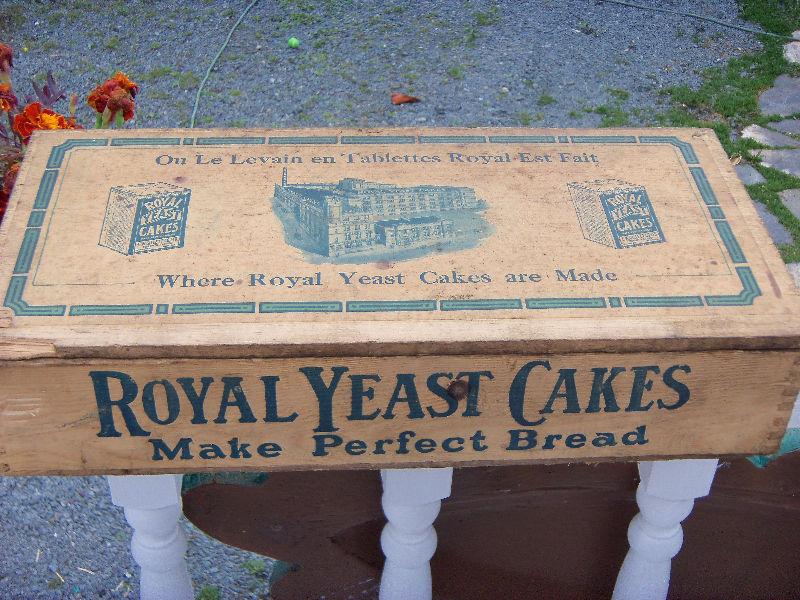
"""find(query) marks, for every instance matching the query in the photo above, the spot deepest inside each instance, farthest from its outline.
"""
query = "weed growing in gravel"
(545, 100)
(489, 17)
(525, 119)
(209, 592)
(255, 567)
(187, 80)
(456, 72)
(12, 16)
(612, 115)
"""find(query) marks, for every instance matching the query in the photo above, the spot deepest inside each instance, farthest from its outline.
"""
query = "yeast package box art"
(145, 217)
(180, 300)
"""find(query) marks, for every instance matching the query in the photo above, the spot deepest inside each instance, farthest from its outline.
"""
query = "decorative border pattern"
(16, 287)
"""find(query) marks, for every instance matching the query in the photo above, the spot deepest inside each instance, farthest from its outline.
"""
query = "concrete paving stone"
(783, 98)
(794, 271)
(748, 174)
(791, 52)
(778, 233)
(791, 126)
(768, 137)
(787, 161)
(791, 200)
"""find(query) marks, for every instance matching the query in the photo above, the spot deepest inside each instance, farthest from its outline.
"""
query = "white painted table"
(411, 502)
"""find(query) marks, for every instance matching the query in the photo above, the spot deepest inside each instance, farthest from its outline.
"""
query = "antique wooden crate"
(368, 298)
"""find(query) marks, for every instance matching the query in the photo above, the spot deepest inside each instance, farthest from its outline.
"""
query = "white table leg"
(665, 496)
(411, 501)
(152, 506)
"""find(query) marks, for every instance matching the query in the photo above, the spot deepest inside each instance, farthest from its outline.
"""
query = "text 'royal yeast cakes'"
(260, 300)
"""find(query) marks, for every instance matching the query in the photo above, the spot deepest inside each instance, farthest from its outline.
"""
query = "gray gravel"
(538, 63)
(475, 63)
(53, 526)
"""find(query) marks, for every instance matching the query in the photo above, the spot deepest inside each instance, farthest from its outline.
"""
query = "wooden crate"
(373, 298)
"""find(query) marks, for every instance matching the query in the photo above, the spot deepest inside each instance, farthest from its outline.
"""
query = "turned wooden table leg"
(665, 496)
(152, 506)
(411, 501)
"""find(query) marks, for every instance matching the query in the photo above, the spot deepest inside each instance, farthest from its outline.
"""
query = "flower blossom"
(8, 101)
(6, 62)
(35, 117)
(114, 97)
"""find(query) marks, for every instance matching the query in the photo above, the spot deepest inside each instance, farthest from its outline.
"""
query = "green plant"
(455, 72)
(209, 592)
(255, 567)
(187, 80)
(545, 100)
(489, 17)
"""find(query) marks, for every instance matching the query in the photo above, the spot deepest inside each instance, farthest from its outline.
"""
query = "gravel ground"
(545, 63)
(538, 63)
(67, 527)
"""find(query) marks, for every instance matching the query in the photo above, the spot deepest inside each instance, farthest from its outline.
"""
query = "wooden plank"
(482, 225)
(165, 254)
(78, 417)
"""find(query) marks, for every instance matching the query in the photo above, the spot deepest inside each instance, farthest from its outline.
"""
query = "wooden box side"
(150, 416)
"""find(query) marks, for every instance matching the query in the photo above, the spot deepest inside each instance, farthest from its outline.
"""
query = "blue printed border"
(22, 267)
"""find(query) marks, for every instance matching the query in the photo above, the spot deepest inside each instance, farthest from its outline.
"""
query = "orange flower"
(8, 101)
(35, 117)
(125, 83)
(8, 185)
(112, 96)
(120, 100)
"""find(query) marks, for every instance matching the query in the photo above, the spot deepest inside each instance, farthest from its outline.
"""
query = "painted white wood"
(411, 501)
(152, 506)
(665, 497)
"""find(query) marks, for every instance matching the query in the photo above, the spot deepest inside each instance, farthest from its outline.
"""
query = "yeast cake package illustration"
(615, 213)
(257, 300)
(145, 217)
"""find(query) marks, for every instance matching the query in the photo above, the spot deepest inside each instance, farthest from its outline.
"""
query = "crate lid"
(245, 243)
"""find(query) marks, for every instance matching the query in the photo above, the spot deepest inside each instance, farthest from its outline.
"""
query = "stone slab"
(778, 233)
(748, 174)
(783, 98)
(791, 199)
(791, 52)
(794, 270)
(768, 137)
(791, 126)
(787, 161)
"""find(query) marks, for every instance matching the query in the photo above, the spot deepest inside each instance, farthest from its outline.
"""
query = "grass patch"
(728, 99)
(525, 119)
(255, 567)
(489, 17)
(545, 100)
(187, 80)
(12, 16)
(209, 592)
(155, 74)
(456, 72)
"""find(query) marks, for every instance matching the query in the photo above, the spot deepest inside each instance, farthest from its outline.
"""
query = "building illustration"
(358, 221)
(615, 213)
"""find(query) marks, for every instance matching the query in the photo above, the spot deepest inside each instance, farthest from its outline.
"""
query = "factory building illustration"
(358, 221)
